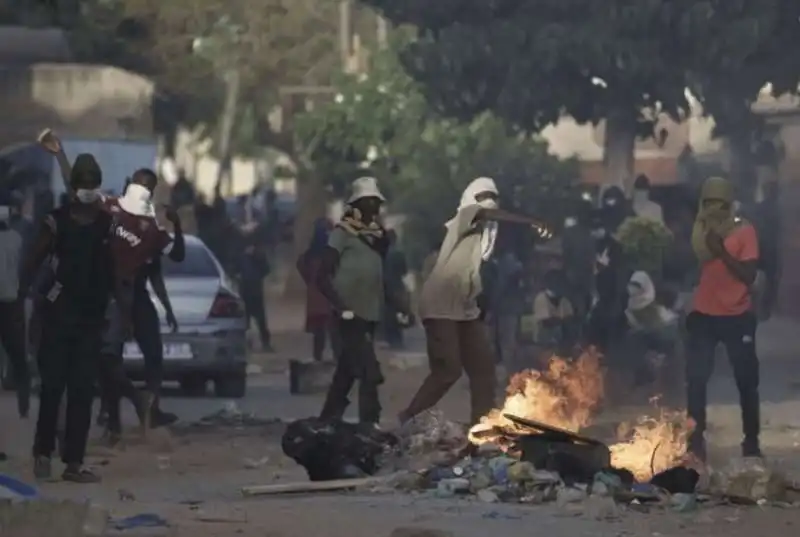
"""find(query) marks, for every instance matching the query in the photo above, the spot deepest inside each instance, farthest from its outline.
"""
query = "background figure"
(641, 203)
(319, 314)
(12, 317)
(554, 316)
(767, 221)
(252, 268)
(395, 269)
(653, 331)
(579, 258)
(505, 307)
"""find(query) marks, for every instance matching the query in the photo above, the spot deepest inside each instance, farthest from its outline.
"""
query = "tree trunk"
(618, 151)
(311, 204)
(232, 87)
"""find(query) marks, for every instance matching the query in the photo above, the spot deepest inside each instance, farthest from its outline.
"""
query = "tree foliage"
(424, 160)
(531, 61)
(187, 46)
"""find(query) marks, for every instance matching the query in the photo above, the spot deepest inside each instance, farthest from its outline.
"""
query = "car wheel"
(194, 386)
(232, 386)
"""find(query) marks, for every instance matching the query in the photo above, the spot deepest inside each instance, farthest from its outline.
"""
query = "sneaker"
(159, 418)
(75, 473)
(42, 468)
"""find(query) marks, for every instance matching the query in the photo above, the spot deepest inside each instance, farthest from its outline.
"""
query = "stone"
(480, 481)
(409, 481)
(683, 503)
(600, 508)
(410, 531)
(447, 488)
(569, 495)
(520, 472)
(488, 496)
(752, 479)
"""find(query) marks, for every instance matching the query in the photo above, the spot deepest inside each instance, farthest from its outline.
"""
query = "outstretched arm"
(177, 251)
(499, 215)
(52, 144)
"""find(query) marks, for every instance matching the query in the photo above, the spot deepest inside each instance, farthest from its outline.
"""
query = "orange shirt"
(719, 292)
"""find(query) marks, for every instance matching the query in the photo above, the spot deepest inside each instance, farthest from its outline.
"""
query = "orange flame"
(566, 395)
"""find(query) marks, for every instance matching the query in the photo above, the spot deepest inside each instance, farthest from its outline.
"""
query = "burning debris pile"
(531, 450)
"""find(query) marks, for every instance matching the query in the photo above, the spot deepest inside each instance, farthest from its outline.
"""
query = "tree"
(532, 62)
(752, 48)
(382, 124)
(622, 61)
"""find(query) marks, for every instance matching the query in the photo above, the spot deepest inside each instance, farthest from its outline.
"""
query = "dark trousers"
(253, 297)
(67, 358)
(738, 334)
(356, 361)
(453, 347)
(12, 337)
(319, 338)
(115, 384)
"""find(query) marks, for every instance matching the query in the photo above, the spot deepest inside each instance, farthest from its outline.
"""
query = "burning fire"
(566, 395)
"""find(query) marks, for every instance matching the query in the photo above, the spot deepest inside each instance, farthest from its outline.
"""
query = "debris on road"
(312, 486)
(333, 449)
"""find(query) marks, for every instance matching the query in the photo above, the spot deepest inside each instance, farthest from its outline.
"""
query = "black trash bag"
(331, 449)
(678, 480)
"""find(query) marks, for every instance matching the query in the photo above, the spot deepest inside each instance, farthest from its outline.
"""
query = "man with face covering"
(448, 303)
(642, 205)
(76, 238)
(351, 278)
(727, 250)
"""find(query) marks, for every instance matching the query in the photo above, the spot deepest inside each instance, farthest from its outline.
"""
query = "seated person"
(553, 320)
(652, 328)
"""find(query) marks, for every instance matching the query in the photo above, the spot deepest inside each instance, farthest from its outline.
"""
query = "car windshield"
(197, 264)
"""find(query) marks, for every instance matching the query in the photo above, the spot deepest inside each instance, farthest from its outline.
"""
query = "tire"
(193, 386)
(231, 386)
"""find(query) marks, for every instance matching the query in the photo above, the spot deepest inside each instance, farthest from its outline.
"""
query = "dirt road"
(188, 474)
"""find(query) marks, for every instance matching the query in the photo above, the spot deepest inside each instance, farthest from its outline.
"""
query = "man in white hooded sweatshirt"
(448, 307)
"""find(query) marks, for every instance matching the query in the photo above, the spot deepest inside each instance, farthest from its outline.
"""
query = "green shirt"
(359, 277)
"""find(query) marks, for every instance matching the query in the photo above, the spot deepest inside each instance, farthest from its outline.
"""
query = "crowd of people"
(88, 265)
(596, 297)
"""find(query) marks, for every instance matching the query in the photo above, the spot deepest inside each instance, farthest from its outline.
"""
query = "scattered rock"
(419, 532)
(408, 481)
(569, 495)
(480, 481)
(252, 464)
(488, 496)
(447, 488)
(600, 508)
(683, 503)
(753, 480)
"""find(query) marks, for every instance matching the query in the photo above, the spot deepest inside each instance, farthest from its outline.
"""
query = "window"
(197, 264)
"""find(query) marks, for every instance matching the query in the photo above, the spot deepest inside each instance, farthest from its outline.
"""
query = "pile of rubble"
(556, 466)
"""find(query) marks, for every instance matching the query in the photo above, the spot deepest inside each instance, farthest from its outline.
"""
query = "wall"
(85, 101)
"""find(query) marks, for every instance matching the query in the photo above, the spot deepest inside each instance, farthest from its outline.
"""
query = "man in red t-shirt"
(727, 249)
(137, 243)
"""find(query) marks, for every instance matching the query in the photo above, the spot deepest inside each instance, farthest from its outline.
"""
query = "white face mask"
(87, 195)
(641, 195)
(488, 203)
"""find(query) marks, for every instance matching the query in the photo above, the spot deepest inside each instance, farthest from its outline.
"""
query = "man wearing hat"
(351, 278)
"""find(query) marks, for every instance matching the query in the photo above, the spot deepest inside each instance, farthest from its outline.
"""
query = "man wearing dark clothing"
(252, 268)
(76, 237)
(579, 258)
(767, 221)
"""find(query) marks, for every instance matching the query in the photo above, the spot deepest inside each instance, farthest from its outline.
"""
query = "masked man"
(727, 250)
(456, 338)
(76, 238)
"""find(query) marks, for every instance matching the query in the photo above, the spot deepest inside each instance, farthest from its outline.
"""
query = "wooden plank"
(311, 486)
